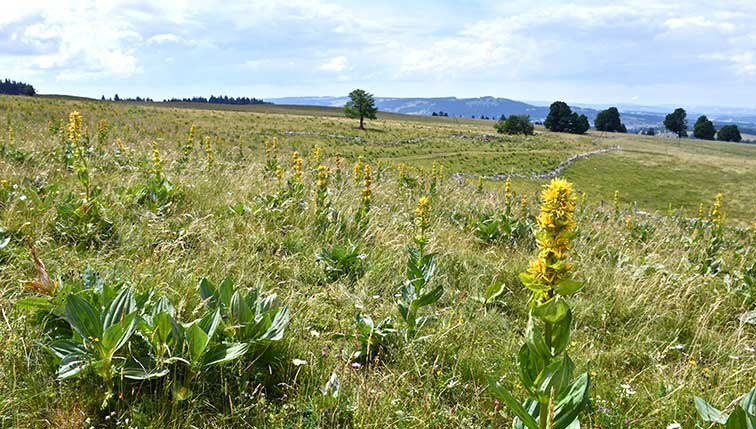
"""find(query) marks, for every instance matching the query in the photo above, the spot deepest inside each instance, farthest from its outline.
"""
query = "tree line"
(11, 87)
(221, 99)
(704, 129)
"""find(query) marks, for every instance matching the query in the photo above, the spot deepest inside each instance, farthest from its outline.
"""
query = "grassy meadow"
(658, 321)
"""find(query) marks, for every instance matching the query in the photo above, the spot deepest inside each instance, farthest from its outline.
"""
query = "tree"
(562, 119)
(676, 122)
(609, 120)
(360, 105)
(729, 133)
(580, 124)
(515, 124)
(704, 128)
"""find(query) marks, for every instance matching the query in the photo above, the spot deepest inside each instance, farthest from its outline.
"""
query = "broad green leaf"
(430, 297)
(530, 364)
(551, 311)
(512, 403)
(209, 323)
(568, 287)
(83, 318)
(238, 310)
(738, 419)
(535, 341)
(529, 282)
(224, 353)
(557, 376)
(35, 303)
(560, 333)
(278, 326)
(119, 307)
(117, 335)
(63, 348)
(226, 291)
(207, 291)
(568, 408)
(198, 340)
(708, 413)
(72, 365)
(749, 402)
(136, 370)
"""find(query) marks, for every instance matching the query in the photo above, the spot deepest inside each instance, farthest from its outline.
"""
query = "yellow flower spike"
(279, 174)
(556, 223)
(208, 151)
(296, 161)
(74, 127)
(524, 202)
(616, 203)
(366, 189)
(716, 210)
(157, 164)
(357, 169)
(508, 191)
(700, 211)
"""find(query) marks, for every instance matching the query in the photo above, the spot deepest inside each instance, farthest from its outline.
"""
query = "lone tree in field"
(729, 133)
(515, 124)
(360, 105)
(704, 128)
(677, 123)
(609, 120)
(562, 119)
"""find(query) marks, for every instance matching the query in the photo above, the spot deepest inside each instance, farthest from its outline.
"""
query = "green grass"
(648, 317)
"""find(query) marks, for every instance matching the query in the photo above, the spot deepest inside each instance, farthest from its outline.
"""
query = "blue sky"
(640, 51)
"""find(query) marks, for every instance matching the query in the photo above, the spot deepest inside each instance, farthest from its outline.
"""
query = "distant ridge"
(633, 116)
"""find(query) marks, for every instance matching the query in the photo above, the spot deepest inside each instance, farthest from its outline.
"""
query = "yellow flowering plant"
(546, 371)
(159, 192)
(418, 290)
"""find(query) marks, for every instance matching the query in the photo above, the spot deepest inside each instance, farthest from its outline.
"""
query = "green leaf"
(560, 333)
(568, 287)
(207, 291)
(136, 370)
(63, 348)
(119, 307)
(72, 365)
(568, 408)
(529, 282)
(430, 297)
(35, 303)
(708, 413)
(209, 323)
(226, 291)
(83, 318)
(551, 311)
(278, 326)
(749, 402)
(738, 420)
(557, 376)
(512, 403)
(530, 364)
(198, 340)
(224, 353)
(117, 335)
(239, 311)
(494, 291)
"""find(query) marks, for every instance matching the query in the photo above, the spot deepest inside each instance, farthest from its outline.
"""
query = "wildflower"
(298, 362)
(583, 199)
(356, 365)
(627, 390)
(508, 192)
(74, 127)
(296, 161)
(357, 169)
(700, 211)
(616, 203)
(556, 224)
(315, 155)
(366, 191)
(716, 210)
(480, 184)
(322, 186)
(119, 144)
(279, 174)
(338, 166)
(628, 222)
(4, 184)
(157, 165)
(422, 220)
(524, 203)
(208, 151)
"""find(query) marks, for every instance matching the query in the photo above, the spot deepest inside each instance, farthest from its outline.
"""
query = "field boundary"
(543, 175)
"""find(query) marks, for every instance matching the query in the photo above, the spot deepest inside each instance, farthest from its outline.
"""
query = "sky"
(646, 52)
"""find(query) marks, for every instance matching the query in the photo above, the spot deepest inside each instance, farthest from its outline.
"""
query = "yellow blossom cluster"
(296, 162)
(556, 224)
(74, 127)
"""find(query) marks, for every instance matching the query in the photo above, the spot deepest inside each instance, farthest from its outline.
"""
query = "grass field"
(658, 321)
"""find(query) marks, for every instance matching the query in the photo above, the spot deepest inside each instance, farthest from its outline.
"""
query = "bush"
(729, 133)
(515, 124)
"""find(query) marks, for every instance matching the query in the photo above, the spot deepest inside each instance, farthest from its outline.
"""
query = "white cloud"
(159, 39)
(335, 64)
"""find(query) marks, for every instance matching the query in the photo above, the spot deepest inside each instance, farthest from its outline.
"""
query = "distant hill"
(633, 116)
